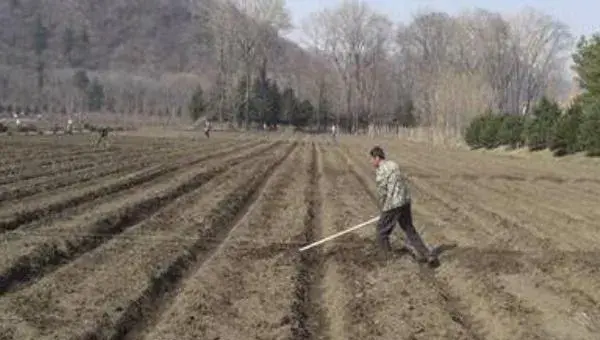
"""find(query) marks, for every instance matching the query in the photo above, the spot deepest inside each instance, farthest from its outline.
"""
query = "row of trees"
(563, 132)
(270, 105)
(440, 69)
(437, 70)
(575, 129)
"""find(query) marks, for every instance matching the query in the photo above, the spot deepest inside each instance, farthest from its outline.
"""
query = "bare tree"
(255, 31)
(353, 37)
(222, 24)
(540, 43)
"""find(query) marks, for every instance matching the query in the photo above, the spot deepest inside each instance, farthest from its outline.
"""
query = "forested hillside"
(146, 55)
(227, 60)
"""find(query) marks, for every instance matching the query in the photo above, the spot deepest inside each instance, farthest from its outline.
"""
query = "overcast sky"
(580, 15)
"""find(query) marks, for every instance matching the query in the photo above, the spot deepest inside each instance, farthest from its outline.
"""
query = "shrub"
(589, 129)
(511, 131)
(489, 132)
(564, 138)
(27, 127)
(538, 130)
(473, 131)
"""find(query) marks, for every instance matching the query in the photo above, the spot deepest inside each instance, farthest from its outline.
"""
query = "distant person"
(103, 135)
(394, 198)
(207, 129)
(333, 132)
(70, 126)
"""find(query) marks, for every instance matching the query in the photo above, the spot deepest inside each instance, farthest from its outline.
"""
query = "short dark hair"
(377, 152)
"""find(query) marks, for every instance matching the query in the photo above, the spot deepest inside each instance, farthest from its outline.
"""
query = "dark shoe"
(433, 261)
(417, 256)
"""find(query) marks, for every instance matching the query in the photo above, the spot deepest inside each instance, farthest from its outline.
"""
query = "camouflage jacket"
(392, 186)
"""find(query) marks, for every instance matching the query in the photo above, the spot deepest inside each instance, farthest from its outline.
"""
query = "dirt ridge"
(133, 179)
(308, 319)
(449, 302)
(50, 258)
(140, 314)
(77, 177)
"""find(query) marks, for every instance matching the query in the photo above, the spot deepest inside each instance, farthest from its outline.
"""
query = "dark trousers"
(403, 216)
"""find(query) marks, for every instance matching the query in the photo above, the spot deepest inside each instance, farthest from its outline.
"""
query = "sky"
(580, 15)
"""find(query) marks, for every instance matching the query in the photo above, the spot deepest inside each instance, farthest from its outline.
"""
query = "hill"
(151, 51)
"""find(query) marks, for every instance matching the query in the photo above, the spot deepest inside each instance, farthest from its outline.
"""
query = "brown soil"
(203, 242)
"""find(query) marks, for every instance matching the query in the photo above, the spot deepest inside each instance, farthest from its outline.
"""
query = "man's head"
(377, 155)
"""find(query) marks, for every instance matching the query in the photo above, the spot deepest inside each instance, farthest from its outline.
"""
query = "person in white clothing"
(70, 126)
(333, 131)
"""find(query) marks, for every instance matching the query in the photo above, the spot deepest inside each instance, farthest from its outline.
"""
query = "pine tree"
(95, 95)
(197, 105)
(538, 130)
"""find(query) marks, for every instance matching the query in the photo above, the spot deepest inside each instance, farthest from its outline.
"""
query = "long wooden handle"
(331, 237)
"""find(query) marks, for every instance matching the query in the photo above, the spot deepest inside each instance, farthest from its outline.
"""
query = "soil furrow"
(125, 164)
(136, 274)
(486, 268)
(39, 253)
(482, 270)
(264, 244)
(449, 302)
(559, 199)
(48, 159)
(21, 190)
(10, 220)
(161, 295)
(32, 171)
(504, 208)
(308, 319)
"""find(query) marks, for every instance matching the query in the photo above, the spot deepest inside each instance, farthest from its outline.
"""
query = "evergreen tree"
(81, 80)
(473, 131)
(289, 105)
(40, 44)
(197, 105)
(511, 131)
(303, 113)
(239, 102)
(564, 139)
(589, 130)
(587, 65)
(69, 44)
(489, 132)
(95, 95)
(274, 103)
(538, 130)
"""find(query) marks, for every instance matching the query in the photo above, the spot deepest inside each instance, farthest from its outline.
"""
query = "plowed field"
(162, 239)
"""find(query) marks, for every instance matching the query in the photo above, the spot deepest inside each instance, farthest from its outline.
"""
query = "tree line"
(364, 70)
(563, 131)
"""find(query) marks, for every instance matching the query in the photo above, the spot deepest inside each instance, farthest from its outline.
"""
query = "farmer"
(333, 132)
(394, 201)
(70, 126)
(103, 135)
(207, 128)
